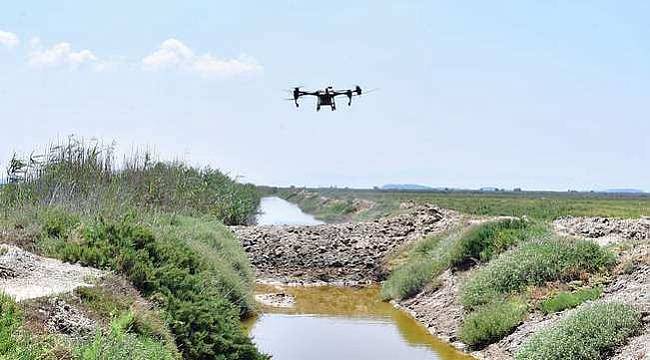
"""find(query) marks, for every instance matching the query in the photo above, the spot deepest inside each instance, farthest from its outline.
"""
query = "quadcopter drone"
(326, 97)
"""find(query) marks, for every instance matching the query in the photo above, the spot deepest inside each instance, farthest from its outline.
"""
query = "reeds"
(84, 177)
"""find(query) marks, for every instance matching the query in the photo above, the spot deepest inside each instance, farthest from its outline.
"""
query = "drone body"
(326, 97)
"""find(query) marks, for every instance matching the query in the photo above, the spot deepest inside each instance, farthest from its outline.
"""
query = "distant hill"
(405, 187)
(624, 191)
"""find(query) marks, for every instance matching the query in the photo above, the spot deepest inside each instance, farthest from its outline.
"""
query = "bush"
(567, 300)
(534, 263)
(203, 319)
(492, 322)
(434, 254)
(220, 251)
(591, 332)
(491, 238)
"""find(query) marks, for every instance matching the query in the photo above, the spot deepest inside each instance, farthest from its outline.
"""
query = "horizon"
(471, 95)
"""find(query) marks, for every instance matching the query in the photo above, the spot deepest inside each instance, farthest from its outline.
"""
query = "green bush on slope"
(533, 263)
(589, 333)
(492, 322)
(187, 286)
(434, 254)
(566, 300)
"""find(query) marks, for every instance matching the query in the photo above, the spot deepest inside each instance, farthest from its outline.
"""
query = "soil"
(24, 275)
(347, 253)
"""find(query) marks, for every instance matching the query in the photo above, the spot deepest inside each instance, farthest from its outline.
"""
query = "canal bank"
(334, 322)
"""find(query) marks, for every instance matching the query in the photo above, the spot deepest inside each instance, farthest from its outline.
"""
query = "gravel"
(24, 275)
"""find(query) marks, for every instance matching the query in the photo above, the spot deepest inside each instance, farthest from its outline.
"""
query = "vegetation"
(591, 332)
(16, 343)
(84, 179)
(567, 300)
(122, 343)
(534, 263)
(535, 205)
(104, 301)
(492, 322)
(158, 224)
(434, 254)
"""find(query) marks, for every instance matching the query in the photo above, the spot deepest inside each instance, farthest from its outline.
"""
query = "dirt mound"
(24, 275)
(348, 252)
(604, 230)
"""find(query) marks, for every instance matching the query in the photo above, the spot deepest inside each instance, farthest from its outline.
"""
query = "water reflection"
(343, 323)
(276, 211)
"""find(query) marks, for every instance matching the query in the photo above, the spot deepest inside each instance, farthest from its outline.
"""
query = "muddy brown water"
(342, 323)
(329, 323)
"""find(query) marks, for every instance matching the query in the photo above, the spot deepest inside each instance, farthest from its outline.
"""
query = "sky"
(548, 95)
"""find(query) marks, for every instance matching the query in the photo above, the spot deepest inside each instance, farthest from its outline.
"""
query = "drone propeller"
(359, 92)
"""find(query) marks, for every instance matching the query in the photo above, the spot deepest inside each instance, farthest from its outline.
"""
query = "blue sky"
(532, 94)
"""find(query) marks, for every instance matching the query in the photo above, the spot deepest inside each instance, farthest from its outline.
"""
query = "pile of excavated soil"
(604, 230)
(438, 309)
(24, 275)
(347, 252)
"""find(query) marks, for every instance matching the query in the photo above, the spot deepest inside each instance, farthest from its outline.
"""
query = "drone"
(326, 97)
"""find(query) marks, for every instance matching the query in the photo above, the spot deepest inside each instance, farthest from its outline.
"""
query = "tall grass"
(85, 178)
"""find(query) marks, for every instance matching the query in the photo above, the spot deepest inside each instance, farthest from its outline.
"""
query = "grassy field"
(158, 224)
(536, 205)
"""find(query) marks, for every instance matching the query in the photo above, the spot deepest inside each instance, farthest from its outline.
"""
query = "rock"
(67, 320)
(281, 300)
(604, 230)
(345, 251)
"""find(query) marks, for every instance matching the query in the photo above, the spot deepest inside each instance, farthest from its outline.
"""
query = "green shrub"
(534, 263)
(58, 223)
(219, 250)
(434, 254)
(591, 332)
(188, 287)
(491, 322)
(566, 300)
(491, 238)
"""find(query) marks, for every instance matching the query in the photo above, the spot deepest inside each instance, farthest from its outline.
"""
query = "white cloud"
(8, 39)
(173, 54)
(61, 54)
